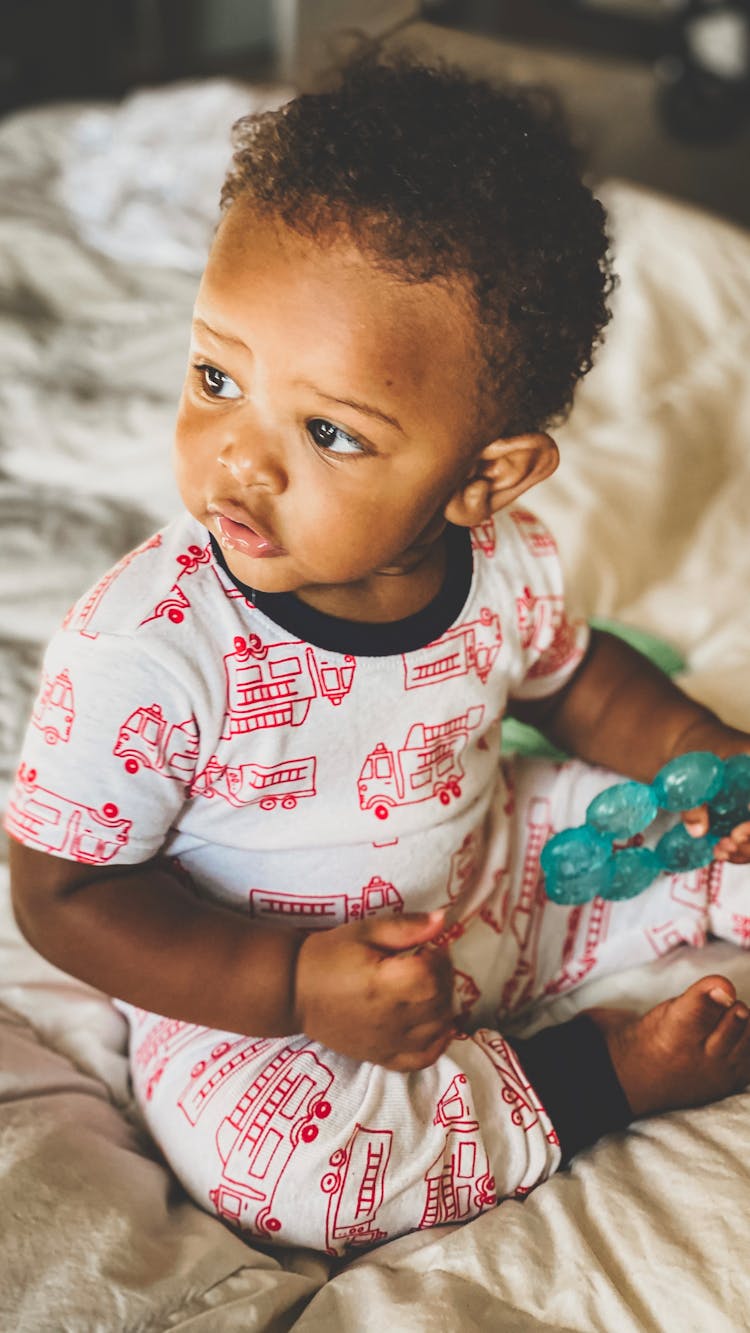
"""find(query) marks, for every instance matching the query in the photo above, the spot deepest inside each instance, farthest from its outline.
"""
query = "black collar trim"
(365, 638)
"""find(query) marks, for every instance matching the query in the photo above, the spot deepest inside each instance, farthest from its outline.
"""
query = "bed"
(106, 214)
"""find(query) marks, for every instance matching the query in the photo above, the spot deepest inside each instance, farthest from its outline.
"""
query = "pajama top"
(294, 774)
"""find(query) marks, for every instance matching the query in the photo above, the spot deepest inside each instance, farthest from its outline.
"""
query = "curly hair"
(436, 175)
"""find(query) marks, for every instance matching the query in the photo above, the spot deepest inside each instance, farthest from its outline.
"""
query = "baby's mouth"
(245, 539)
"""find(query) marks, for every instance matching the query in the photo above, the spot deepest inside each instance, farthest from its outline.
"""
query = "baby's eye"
(216, 383)
(332, 438)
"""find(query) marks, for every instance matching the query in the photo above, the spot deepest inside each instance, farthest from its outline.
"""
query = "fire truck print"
(587, 929)
(232, 593)
(54, 712)
(147, 740)
(500, 896)
(691, 889)
(321, 911)
(162, 1039)
(81, 613)
(463, 867)
(536, 536)
(273, 685)
(225, 1060)
(483, 537)
(539, 618)
(465, 990)
(517, 1093)
(714, 876)
(545, 628)
(741, 929)
(160, 1045)
(470, 647)
(279, 1112)
(177, 603)
(459, 1182)
(525, 921)
(280, 785)
(355, 1188)
(669, 934)
(428, 766)
(57, 824)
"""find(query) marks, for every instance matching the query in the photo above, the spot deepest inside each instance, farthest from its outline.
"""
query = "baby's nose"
(253, 460)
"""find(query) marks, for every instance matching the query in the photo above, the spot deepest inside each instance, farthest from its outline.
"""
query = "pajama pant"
(294, 1143)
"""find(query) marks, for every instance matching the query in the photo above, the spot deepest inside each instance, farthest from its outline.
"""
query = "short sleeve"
(109, 753)
(551, 643)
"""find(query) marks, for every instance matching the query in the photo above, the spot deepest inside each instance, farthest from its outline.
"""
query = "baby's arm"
(619, 711)
(142, 935)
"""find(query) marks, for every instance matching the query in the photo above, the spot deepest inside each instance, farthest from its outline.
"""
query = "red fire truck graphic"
(427, 766)
(691, 890)
(256, 1140)
(230, 591)
(713, 883)
(463, 867)
(517, 1093)
(280, 785)
(164, 1038)
(741, 929)
(177, 603)
(536, 536)
(321, 911)
(526, 917)
(545, 627)
(56, 824)
(160, 1045)
(501, 895)
(273, 685)
(54, 712)
(669, 934)
(355, 1187)
(483, 537)
(147, 740)
(81, 612)
(459, 1182)
(470, 647)
(225, 1060)
(587, 929)
(465, 990)
(539, 618)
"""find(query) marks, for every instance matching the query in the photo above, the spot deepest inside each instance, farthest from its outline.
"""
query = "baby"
(270, 814)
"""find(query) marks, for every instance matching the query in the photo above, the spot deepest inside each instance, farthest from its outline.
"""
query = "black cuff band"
(570, 1069)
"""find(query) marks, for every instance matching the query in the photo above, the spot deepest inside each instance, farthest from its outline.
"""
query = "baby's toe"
(730, 1032)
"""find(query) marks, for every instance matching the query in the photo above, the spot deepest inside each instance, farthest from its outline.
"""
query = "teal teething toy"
(582, 863)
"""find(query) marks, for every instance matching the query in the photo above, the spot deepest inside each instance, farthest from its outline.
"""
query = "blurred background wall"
(658, 91)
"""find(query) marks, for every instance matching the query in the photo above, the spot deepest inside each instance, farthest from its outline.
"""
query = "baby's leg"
(295, 1144)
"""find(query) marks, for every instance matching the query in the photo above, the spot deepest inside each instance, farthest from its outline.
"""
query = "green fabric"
(521, 738)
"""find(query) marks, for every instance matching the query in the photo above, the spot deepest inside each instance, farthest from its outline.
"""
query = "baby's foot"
(685, 1052)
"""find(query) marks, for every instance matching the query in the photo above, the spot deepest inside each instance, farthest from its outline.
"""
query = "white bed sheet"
(105, 218)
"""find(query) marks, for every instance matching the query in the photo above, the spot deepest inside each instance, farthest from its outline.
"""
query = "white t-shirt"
(290, 777)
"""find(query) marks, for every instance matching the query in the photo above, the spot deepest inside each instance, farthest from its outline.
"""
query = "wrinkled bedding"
(106, 214)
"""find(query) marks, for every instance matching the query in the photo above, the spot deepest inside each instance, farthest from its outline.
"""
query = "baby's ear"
(499, 474)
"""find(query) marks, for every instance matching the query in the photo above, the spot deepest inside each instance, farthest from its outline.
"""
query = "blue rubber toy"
(583, 863)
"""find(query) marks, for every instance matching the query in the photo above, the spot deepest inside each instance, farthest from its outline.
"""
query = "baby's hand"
(377, 991)
(735, 846)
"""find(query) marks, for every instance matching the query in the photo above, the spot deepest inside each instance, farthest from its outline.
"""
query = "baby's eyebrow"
(352, 402)
(218, 333)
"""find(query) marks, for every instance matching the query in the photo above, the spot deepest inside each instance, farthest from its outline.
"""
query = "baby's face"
(327, 413)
